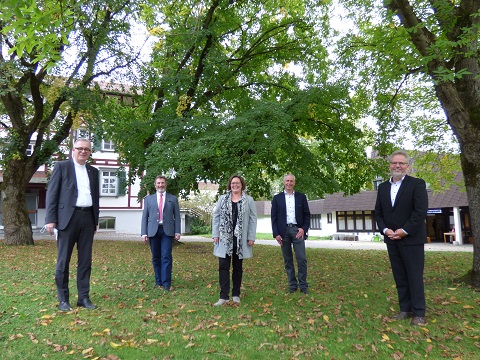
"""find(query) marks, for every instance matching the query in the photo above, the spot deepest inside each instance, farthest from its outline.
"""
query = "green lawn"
(345, 315)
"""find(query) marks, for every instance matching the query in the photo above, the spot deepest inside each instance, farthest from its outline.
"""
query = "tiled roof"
(454, 196)
(365, 200)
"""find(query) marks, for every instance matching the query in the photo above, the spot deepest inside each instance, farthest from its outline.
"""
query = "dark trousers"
(161, 248)
(301, 255)
(80, 231)
(407, 267)
(224, 273)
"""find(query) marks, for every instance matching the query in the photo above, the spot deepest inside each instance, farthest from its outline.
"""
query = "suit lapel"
(72, 175)
(402, 188)
(387, 189)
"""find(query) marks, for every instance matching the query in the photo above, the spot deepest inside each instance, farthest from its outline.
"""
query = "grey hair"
(401, 152)
(82, 139)
(289, 175)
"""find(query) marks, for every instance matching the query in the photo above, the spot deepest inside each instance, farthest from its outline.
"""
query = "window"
(106, 223)
(82, 133)
(30, 147)
(109, 183)
(107, 145)
(355, 221)
(112, 182)
(376, 183)
(329, 218)
(316, 222)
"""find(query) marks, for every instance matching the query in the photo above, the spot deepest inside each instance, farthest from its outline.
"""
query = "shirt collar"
(77, 164)
(398, 182)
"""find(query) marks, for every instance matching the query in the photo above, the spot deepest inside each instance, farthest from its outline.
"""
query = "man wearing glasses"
(400, 213)
(72, 206)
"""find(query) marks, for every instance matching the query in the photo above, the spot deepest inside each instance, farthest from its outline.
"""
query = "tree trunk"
(471, 173)
(16, 223)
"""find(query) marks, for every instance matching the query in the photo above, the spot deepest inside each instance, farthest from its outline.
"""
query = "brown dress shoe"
(402, 315)
(419, 321)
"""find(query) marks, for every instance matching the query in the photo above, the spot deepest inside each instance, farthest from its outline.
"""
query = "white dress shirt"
(290, 206)
(84, 198)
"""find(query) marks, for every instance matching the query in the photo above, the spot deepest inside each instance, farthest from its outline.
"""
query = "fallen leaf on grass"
(87, 351)
(15, 336)
(33, 338)
(189, 345)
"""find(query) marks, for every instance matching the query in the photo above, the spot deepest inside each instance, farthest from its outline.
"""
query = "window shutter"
(97, 142)
(122, 182)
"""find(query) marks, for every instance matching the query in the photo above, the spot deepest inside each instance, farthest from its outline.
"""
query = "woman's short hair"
(242, 180)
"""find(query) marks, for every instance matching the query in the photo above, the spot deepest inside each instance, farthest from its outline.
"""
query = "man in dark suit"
(290, 223)
(160, 223)
(400, 213)
(73, 209)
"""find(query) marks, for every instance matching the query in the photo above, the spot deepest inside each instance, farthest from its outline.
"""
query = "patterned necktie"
(160, 208)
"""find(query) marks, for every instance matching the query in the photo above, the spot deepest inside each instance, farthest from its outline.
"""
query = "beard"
(397, 174)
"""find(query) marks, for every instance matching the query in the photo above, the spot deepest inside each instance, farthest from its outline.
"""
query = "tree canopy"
(242, 87)
(51, 52)
(415, 58)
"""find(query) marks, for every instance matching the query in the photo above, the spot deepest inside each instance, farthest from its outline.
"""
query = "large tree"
(423, 54)
(220, 97)
(51, 52)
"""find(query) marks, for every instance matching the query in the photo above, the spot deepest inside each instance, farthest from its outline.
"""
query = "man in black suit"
(73, 210)
(400, 213)
(290, 223)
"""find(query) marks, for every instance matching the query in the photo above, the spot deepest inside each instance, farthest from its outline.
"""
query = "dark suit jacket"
(171, 216)
(279, 213)
(62, 193)
(408, 213)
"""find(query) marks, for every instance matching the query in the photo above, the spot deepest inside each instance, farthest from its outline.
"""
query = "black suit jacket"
(408, 213)
(62, 193)
(279, 213)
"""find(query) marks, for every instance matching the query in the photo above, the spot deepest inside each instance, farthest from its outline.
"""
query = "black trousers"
(224, 273)
(80, 231)
(407, 267)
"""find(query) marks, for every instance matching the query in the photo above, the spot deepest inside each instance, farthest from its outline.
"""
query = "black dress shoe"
(86, 303)
(419, 321)
(64, 306)
(293, 290)
(402, 315)
(304, 291)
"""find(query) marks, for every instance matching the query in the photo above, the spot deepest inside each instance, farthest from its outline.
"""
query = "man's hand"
(145, 239)
(395, 235)
(279, 239)
(300, 233)
(49, 227)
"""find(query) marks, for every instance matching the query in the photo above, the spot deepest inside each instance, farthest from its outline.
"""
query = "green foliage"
(385, 66)
(218, 98)
(199, 227)
(345, 316)
(51, 52)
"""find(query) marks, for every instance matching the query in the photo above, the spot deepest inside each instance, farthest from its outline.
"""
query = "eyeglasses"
(398, 163)
(83, 149)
